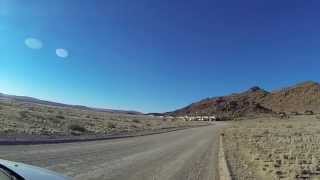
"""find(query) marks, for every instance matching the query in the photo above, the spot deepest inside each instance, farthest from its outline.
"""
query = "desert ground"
(273, 148)
(19, 119)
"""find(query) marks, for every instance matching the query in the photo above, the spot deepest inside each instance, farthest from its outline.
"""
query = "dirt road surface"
(189, 154)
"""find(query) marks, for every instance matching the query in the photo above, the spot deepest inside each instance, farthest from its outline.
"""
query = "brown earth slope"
(235, 105)
(299, 98)
(256, 101)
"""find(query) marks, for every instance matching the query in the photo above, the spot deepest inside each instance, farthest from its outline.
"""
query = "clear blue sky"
(158, 55)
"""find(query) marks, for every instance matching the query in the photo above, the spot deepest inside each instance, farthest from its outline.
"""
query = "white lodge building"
(198, 118)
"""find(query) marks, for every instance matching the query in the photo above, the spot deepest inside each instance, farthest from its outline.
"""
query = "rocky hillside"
(256, 101)
(298, 98)
(242, 104)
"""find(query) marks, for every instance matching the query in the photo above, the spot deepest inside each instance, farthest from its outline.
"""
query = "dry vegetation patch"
(270, 148)
(32, 119)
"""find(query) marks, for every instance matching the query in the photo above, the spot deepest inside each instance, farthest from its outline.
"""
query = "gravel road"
(180, 155)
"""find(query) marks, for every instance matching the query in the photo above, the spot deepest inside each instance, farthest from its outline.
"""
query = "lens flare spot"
(33, 43)
(62, 53)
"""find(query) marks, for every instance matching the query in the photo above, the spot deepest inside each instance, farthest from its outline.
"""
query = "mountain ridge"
(299, 98)
(32, 100)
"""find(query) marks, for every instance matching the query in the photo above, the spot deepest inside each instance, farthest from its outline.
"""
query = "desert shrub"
(8, 130)
(55, 120)
(283, 115)
(295, 113)
(23, 114)
(60, 117)
(174, 120)
(76, 133)
(136, 121)
(297, 134)
(308, 112)
(111, 125)
(223, 118)
(289, 126)
(77, 127)
(33, 109)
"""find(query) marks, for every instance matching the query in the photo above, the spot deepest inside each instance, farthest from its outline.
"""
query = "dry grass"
(269, 148)
(30, 119)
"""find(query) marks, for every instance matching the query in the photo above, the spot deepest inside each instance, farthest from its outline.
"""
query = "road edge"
(224, 172)
(88, 139)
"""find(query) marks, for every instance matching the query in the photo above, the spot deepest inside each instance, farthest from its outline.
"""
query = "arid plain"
(273, 148)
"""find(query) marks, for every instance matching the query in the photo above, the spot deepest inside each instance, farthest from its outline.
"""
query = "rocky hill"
(299, 98)
(235, 105)
(256, 101)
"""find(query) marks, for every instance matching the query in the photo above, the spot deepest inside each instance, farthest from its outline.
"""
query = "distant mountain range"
(25, 99)
(255, 101)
